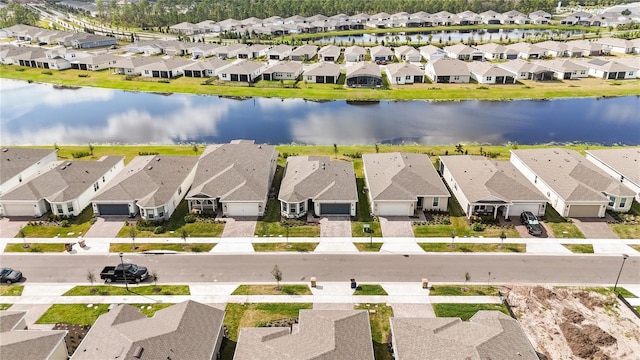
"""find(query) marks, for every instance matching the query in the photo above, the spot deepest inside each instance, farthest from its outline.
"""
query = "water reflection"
(38, 114)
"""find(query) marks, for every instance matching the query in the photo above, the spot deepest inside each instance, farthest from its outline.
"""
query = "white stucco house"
(18, 164)
(622, 164)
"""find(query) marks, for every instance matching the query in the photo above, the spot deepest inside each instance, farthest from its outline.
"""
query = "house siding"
(455, 189)
(171, 205)
(616, 175)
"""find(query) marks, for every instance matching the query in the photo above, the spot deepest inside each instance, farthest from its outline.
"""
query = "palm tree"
(419, 38)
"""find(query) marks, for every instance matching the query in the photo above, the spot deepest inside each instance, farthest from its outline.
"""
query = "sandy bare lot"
(570, 323)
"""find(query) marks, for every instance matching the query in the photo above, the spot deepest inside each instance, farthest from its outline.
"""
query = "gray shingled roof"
(570, 175)
(363, 68)
(322, 334)
(487, 335)
(480, 178)
(20, 344)
(151, 180)
(13, 161)
(64, 182)
(450, 67)
(323, 69)
(403, 69)
(234, 172)
(187, 330)
(318, 178)
(402, 176)
(624, 161)
(284, 67)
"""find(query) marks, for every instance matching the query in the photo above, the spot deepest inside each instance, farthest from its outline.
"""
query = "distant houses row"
(236, 180)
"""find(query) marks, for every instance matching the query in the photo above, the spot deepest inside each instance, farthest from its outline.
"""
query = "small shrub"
(92, 220)
(446, 221)
(80, 154)
(158, 230)
(189, 218)
(482, 88)
(20, 69)
(209, 81)
(476, 226)
(83, 75)
(143, 153)
(164, 81)
(130, 77)
(47, 72)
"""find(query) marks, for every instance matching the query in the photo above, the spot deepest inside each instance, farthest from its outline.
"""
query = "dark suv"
(531, 222)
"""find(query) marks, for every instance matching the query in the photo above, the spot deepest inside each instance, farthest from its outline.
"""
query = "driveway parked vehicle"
(10, 276)
(531, 222)
(126, 272)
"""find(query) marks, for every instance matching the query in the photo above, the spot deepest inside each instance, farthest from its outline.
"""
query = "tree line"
(15, 13)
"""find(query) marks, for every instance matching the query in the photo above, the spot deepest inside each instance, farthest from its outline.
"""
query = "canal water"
(40, 114)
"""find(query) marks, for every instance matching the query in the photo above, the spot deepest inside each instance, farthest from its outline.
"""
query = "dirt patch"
(571, 323)
(75, 334)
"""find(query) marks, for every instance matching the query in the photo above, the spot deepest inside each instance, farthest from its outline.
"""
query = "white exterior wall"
(455, 190)
(398, 80)
(284, 76)
(483, 79)
(17, 180)
(443, 203)
(633, 186)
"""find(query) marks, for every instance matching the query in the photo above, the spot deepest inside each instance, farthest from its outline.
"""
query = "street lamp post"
(126, 283)
(624, 257)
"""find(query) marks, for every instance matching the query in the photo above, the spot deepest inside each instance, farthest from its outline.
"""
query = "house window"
(623, 202)
(488, 78)
(612, 200)
(407, 77)
(146, 72)
(309, 78)
(103, 179)
(455, 186)
(96, 186)
(456, 78)
(435, 202)
(179, 190)
(70, 207)
(398, 78)
(150, 213)
(161, 211)
(59, 209)
(535, 181)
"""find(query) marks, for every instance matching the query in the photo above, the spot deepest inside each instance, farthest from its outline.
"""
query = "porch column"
(506, 212)
(189, 205)
(495, 211)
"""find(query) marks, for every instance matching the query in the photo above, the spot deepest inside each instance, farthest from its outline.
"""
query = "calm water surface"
(39, 114)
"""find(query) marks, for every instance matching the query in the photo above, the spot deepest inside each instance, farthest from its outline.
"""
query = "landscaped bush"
(189, 218)
(47, 72)
(83, 75)
(476, 226)
(80, 154)
(64, 223)
(143, 153)
(158, 230)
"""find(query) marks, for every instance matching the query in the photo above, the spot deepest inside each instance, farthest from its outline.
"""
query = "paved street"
(575, 269)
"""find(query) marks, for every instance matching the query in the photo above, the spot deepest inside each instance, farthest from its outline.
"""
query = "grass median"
(141, 247)
(272, 290)
(109, 290)
(472, 247)
(11, 290)
(35, 248)
(286, 247)
(580, 248)
(379, 315)
(77, 314)
(369, 289)
(467, 290)
(465, 311)
(368, 247)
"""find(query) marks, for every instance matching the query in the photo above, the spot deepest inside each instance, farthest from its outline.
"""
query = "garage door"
(19, 210)
(335, 209)
(242, 209)
(517, 209)
(393, 209)
(113, 209)
(584, 210)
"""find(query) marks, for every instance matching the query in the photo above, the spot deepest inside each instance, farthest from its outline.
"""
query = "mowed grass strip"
(35, 248)
(78, 314)
(472, 247)
(150, 309)
(580, 248)
(468, 290)
(11, 290)
(271, 290)
(626, 231)
(140, 247)
(5, 306)
(369, 289)
(368, 247)
(109, 290)
(465, 311)
(276, 247)
(379, 315)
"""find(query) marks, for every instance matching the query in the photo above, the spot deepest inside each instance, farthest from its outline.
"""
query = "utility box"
(313, 282)
(425, 283)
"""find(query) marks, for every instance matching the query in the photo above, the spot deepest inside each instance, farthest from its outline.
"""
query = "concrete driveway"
(10, 228)
(396, 226)
(595, 228)
(522, 230)
(335, 226)
(239, 227)
(105, 227)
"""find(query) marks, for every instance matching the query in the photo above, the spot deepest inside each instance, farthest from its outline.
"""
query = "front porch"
(492, 210)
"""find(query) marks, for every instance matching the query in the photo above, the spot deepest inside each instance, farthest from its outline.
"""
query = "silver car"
(10, 276)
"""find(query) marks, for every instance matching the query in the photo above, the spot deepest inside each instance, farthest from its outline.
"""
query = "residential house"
(610, 69)
(245, 70)
(618, 46)
(329, 53)
(491, 17)
(540, 17)
(8, 51)
(233, 178)
(381, 53)
(630, 61)
(166, 68)
(150, 185)
(295, 19)
(527, 51)
(319, 185)
(404, 73)
(206, 68)
(19, 164)
(144, 47)
(283, 70)
(304, 53)
(95, 63)
(83, 40)
(494, 51)
(486, 335)
(203, 50)
(514, 17)
(355, 54)
(468, 18)
(622, 164)
(554, 48)
(408, 54)
(524, 70)
(33, 57)
(573, 185)
(229, 25)
(432, 53)
(588, 48)
(254, 51)
(448, 71)
(186, 28)
(485, 73)
(489, 187)
(132, 65)
(463, 52)
(273, 20)
(322, 73)
(188, 330)
(400, 184)
(208, 26)
(280, 52)
(64, 187)
(364, 74)
(319, 334)
(565, 69)
(230, 51)
(20, 343)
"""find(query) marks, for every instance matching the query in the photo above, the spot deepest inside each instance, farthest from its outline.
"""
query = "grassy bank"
(588, 87)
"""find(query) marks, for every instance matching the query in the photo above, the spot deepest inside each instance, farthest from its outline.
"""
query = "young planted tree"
(467, 278)
(277, 274)
(132, 235)
(23, 235)
(91, 277)
(502, 237)
(453, 237)
(154, 274)
(184, 235)
(335, 150)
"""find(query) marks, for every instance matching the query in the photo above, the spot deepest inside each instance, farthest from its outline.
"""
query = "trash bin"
(313, 282)
(425, 283)
(68, 246)
(353, 284)
(82, 243)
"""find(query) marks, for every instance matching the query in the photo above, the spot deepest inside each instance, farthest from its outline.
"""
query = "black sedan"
(531, 222)
(10, 276)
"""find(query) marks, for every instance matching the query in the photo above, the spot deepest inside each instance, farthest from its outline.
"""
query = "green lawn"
(363, 212)
(379, 315)
(465, 311)
(559, 226)
(11, 290)
(471, 247)
(358, 226)
(5, 306)
(78, 314)
(626, 231)
(369, 289)
(36, 248)
(77, 226)
(271, 247)
(271, 290)
(580, 248)
(366, 247)
(150, 309)
(109, 290)
(637, 247)
(456, 290)
(140, 247)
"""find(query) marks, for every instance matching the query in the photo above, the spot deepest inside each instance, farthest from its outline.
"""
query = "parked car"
(120, 272)
(10, 276)
(531, 222)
